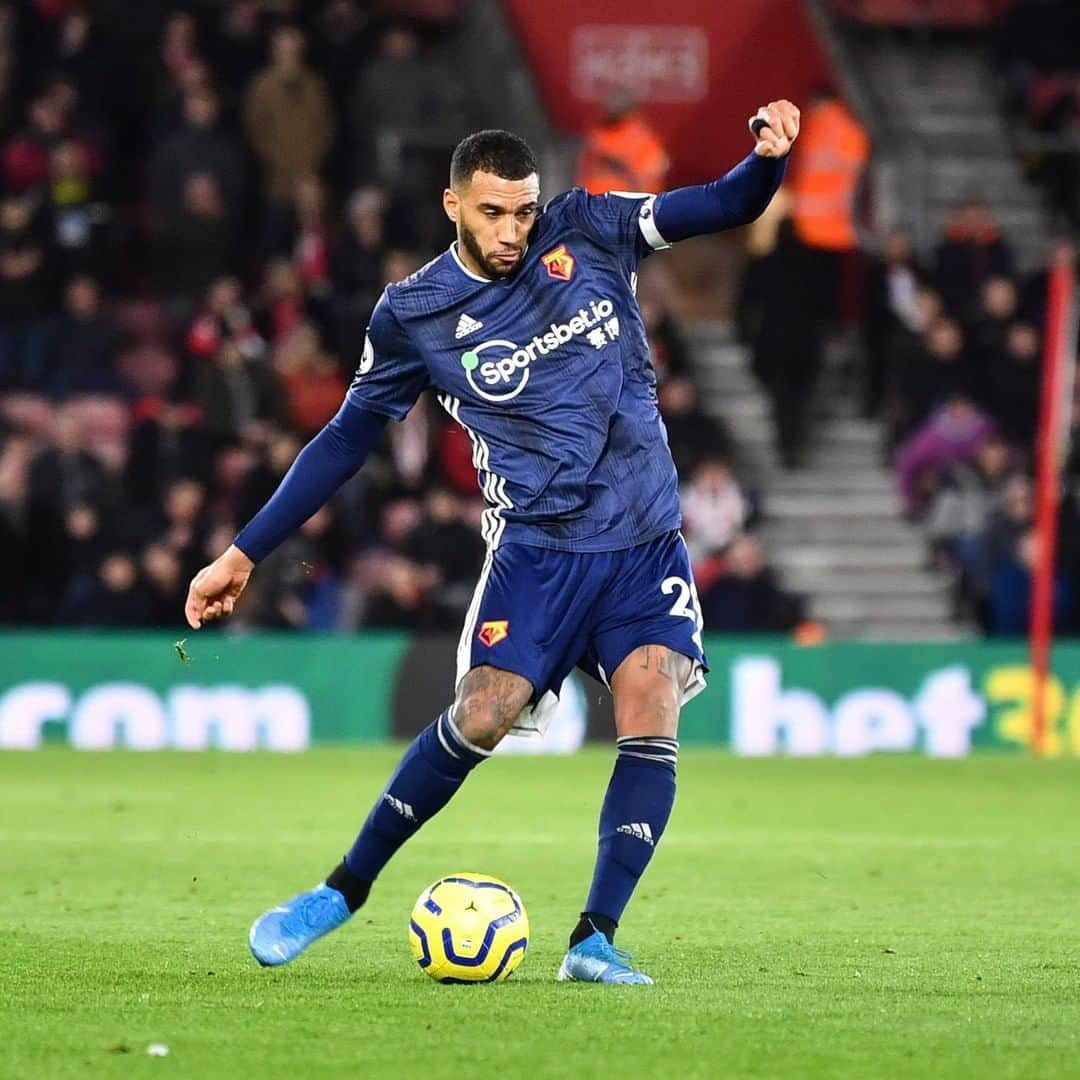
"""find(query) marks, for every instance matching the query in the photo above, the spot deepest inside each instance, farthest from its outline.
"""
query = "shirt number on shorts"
(686, 603)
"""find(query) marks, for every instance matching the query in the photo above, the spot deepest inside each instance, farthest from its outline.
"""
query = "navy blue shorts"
(541, 613)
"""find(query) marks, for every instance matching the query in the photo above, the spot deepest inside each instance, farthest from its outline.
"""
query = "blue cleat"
(596, 960)
(287, 930)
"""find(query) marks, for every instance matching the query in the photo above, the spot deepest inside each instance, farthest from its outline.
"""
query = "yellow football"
(469, 928)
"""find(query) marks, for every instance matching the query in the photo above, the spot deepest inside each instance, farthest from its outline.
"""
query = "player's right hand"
(215, 589)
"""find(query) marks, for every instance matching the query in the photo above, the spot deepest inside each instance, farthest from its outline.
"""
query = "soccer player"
(528, 329)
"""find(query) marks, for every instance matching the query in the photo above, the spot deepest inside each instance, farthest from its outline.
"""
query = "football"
(469, 928)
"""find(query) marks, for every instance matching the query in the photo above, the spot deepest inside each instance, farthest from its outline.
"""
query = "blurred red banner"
(700, 69)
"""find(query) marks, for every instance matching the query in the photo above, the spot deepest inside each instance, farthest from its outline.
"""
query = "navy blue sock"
(635, 812)
(433, 768)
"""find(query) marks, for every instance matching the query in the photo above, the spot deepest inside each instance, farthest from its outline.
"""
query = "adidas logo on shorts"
(404, 809)
(639, 829)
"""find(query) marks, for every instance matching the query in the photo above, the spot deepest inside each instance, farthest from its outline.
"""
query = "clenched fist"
(780, 131)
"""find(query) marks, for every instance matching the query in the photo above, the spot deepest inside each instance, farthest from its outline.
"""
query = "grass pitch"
(883, 917)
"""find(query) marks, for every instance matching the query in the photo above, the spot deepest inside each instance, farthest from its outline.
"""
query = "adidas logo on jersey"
(639, 829)
(404, 809)
(467, 325)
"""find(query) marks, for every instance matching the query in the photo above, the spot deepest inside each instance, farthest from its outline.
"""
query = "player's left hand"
(780, 131)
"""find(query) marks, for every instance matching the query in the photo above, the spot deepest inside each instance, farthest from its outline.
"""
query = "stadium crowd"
(199, 207)
(959, 344)
(951, 350)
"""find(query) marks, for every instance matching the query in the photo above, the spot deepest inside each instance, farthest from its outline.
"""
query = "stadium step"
(896, 627)
(834, 529)
(881, 606)
(947, 139)
(851, 557)
(818, 505)
(832, 481)
(870, 583)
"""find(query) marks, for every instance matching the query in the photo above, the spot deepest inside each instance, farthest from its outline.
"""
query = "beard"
(491, 269)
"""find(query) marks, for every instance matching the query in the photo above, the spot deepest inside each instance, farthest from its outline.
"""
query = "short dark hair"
(493, 151)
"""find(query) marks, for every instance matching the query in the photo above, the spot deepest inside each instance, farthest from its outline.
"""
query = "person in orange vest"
(622, 152)
(823, 181)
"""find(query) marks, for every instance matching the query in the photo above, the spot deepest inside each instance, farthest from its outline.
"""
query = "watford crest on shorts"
(491, 633)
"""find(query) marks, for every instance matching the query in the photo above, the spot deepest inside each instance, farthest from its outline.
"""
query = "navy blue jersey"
(548, 371)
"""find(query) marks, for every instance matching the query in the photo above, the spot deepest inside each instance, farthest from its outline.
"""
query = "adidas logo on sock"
(639, 829)
(467, 325)
(405, 810)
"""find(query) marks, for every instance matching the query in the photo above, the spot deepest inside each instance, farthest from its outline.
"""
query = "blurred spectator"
(1010, 591)
(746, 598)
(302, 588)
(266, 473)
(181, 521)
(236, 390)
(356, 260)
(1015, 372)
(26, 290)
(181, 69)
(973, 251)
(341, 46)
(891, 309)
(780, 315)
(1035, 284)
(622, 151)
(930, 370)
(27, 156)
(1008, 522)
(289, 117)
(968, 494)
(400, 597)
(200, 146)
(224, 317)
(714, 509)
(167, 441)
(69, 498)
(667, 349)
(449, 553)
(80, 351)
(404, 98)
(314, 386)
(954, 433)
(83, 236)
(996, 310)
(396, 589)
(692, 434)
(163, 585)
(301, 232)
(15, 541)
(198, 244)
(111, 596)
(284, 306)
(823, 180)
